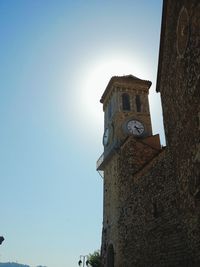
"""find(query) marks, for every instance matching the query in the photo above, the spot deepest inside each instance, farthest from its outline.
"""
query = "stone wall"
(179, 85)
(150, 224)
(111, 202)
(152, 201)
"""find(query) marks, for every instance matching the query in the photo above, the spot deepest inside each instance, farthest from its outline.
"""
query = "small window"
(138, 103)
(155, 210)
(126, 102)
(109, 110)
(197, 194)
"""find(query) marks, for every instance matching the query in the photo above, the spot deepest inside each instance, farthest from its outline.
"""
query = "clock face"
(135, 127)
(106, 137)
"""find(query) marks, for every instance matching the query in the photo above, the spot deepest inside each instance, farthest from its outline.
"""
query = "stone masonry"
(152, 199)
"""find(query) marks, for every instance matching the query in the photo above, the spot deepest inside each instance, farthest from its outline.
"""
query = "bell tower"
(126, 111)
(127, 135)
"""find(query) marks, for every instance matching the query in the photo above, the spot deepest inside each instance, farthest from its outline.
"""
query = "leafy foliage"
(95, 259)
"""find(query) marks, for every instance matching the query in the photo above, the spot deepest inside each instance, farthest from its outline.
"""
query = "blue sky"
(56, 58)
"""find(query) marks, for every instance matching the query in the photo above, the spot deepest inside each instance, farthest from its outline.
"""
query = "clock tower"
(127, 135)
(126, 111)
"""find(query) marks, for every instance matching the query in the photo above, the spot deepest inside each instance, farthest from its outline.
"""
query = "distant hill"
(14, 264)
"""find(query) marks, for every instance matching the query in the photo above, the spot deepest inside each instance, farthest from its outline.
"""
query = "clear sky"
(56, 58)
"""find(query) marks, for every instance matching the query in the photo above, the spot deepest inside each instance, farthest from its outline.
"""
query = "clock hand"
(137, 128)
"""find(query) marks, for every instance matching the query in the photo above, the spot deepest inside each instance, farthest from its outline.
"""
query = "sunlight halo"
(95, 77)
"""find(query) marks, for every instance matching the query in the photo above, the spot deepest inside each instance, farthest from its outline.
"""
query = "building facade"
(152, 194)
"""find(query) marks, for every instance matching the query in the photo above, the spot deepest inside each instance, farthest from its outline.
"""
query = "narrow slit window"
(138, 103)
(110, 110)
(126, 102)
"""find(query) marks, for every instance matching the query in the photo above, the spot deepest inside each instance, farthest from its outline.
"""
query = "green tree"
(94, 259)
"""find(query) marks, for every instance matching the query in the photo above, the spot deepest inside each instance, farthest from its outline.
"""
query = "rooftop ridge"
(122, 78)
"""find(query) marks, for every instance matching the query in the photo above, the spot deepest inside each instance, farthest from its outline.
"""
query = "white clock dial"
(106, 137)
(135, 127)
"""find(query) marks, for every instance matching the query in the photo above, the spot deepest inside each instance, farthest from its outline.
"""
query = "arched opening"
(110, 256)
(138, 103)
(126, 102)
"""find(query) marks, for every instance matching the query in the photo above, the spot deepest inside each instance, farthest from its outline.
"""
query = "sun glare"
(96, 77)
(85, 107)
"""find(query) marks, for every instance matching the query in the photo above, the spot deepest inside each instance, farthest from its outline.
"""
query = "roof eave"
(114, 79)
(161, 48)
